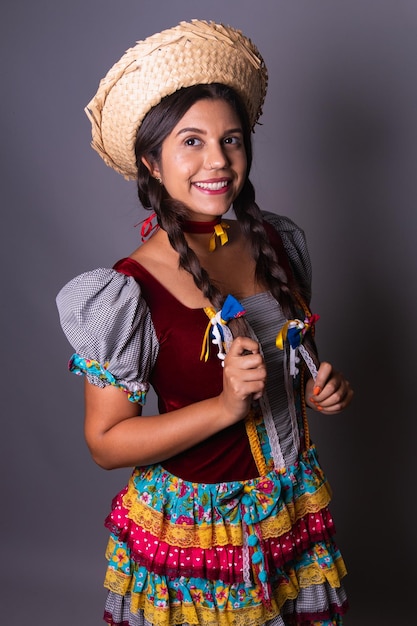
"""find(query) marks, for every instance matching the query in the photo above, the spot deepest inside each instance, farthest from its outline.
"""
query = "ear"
(152, 167)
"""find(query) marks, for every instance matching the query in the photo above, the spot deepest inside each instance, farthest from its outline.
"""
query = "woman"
(225, 518)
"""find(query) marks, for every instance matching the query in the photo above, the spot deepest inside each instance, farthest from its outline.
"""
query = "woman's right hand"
(244, 378)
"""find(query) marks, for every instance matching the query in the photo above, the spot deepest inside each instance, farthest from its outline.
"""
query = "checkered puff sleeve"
(108, 323)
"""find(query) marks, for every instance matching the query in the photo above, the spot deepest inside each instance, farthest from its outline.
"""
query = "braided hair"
(170, 213)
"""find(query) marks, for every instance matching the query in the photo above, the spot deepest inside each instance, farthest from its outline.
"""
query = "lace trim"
(206, 535)
(272, 433)
(306, 425)
(276, 452)
(192, 614)
(308, 361)
(170, 611)
(307, 503)
(118, 582)
(289, 386)
(245, 560)
(314, 575)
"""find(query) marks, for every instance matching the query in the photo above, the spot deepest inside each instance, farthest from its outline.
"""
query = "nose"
(216, 157)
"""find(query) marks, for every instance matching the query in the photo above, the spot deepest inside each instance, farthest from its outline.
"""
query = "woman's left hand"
(330, 393)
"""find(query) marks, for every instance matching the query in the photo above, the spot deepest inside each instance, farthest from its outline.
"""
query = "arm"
(118, 436)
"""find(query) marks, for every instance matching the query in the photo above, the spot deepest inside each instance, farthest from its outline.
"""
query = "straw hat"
(197, 52)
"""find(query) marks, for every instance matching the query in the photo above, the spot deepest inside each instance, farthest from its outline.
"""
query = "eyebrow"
(191, 129)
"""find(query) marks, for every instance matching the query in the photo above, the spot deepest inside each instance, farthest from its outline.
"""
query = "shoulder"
(102, 286)
(102, 303)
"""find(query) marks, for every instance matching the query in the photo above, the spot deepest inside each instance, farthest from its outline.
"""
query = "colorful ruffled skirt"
(236, 553)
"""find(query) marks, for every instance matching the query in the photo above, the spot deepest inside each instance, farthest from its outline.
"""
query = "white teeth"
(212, 186)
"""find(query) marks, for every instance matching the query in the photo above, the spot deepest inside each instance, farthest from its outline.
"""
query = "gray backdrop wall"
(336, 152)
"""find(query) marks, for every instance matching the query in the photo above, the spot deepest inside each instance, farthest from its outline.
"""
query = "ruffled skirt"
(252, 552)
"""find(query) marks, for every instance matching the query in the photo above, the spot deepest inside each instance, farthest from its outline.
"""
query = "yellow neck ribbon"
(219, 233)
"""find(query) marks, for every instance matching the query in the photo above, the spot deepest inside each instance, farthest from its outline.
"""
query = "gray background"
(336, 152)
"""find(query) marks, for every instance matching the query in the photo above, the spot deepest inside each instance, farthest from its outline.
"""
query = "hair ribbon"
(148, 227)
(294, 331)
(217, 331)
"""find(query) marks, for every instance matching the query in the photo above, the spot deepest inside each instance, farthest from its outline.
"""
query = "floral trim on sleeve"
(136, 392)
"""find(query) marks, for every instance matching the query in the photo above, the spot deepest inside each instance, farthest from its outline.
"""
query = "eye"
(232, 141)
(193, 141)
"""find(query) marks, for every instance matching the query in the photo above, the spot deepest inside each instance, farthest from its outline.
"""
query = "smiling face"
(203, 160)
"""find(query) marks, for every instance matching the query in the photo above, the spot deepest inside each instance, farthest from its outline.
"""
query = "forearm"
(119, 437)
(143, 440)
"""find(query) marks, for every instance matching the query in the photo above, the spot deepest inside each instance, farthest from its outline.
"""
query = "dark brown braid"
(268, 271)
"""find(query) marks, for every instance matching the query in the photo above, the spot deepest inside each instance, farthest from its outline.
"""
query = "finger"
(243, 389)
(323, 374)
(334, 382)
(245, 378)
(331, 388)
(337, 401)
(241, 345)
(234, 366)
(244, 355)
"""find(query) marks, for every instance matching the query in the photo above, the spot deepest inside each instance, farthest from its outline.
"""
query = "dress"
(236, 530)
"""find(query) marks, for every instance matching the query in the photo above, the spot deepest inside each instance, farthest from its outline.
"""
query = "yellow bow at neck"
(219, 233)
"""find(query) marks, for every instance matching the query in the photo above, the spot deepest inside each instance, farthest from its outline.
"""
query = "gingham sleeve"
(294, 241)
(108, 324)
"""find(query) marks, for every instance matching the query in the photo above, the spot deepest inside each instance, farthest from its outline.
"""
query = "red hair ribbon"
(148, 227)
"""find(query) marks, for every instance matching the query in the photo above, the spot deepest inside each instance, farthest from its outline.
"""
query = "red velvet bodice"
(180, 378)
